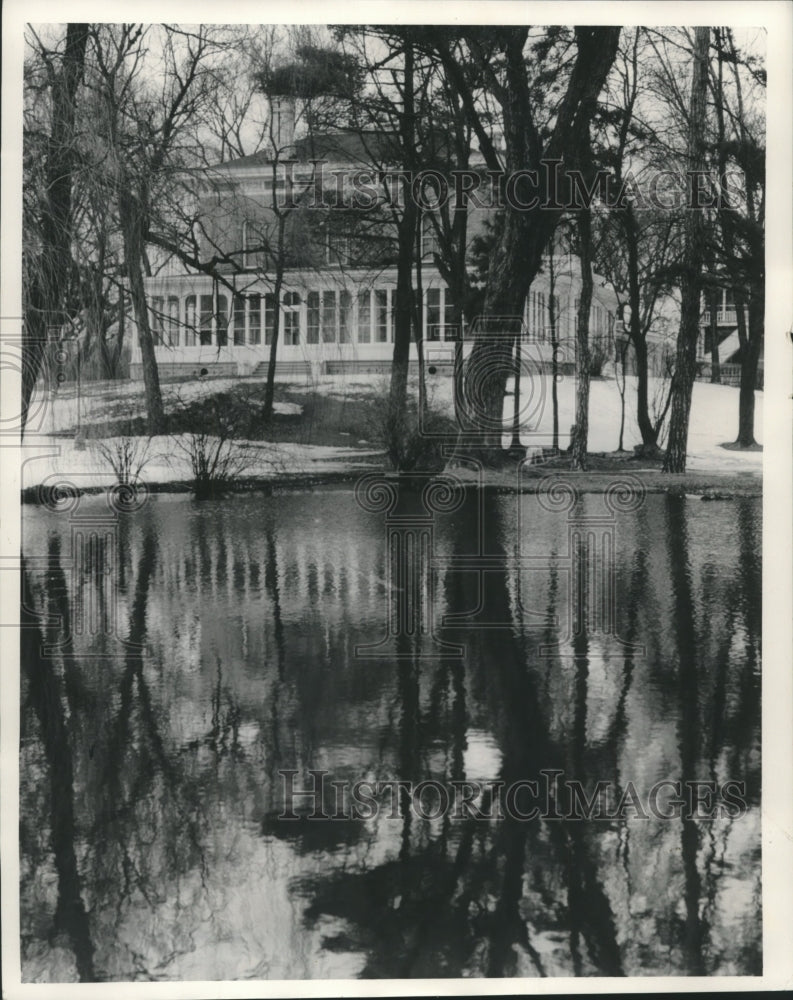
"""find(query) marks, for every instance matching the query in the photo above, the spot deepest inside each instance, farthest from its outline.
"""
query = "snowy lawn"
(167, 460)
(714, 420)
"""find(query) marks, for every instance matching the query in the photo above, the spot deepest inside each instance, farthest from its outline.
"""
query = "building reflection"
(152, 785)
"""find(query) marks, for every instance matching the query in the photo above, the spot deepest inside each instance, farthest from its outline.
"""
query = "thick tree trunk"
(686, 355)
(44, 305)
(524, 234)
(132, 219)
(578, 445)
(491, 361)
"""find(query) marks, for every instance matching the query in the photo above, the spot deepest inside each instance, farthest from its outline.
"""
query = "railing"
(729, 373)
(724, 317)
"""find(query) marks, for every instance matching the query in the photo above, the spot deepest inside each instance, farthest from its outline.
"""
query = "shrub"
(215, 462)
(412, 445)
(127, 457)
(214, 456)
(599, 354)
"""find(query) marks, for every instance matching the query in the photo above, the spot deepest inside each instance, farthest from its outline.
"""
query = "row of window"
(331, 317)
(538, 317)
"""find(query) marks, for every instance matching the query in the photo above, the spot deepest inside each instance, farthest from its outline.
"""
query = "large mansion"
(254, 215)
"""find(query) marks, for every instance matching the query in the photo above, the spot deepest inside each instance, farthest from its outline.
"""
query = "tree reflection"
(164, 792)
(45, 694)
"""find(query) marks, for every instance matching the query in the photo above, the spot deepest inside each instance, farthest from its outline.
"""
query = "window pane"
(292, 327)
(206, 319)
(156, 320)
(381, 315)
(222, 320)
(364, 317)
(450, 331)
(254, 319)
(173, 321)
(269, 318)
(312, 304)
(328, 317)
(190, 320)
(246, 260)
(345, 304)
(239, 319)
(433, 314)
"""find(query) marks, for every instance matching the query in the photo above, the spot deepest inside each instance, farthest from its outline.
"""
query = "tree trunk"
(750, 356)
(620, 366)
(269, 389)
(406, 237)
(418, 324)
(715, 366)
(648, 432)
(578, 445)
(132, 219)
(44, 304)
(554, 349)
(515, 445)
(491, 362)
(524, 234)
(686, 355)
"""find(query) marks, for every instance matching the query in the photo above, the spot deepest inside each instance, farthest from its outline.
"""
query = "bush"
(412, 445)
(215, 457)
(214, 461)
(126, 456)
(599, 354)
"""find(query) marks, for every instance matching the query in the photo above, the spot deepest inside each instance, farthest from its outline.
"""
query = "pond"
(339, 733)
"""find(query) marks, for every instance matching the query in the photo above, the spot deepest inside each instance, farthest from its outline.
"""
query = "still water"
(187, 664)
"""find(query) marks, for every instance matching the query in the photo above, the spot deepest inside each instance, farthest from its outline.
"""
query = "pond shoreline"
(709, 485)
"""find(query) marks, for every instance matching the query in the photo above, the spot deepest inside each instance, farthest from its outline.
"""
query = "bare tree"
(740, 149)
(505, 73)
(691, 286)
(48, 257)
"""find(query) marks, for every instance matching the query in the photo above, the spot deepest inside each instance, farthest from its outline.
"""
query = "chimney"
(282, 125)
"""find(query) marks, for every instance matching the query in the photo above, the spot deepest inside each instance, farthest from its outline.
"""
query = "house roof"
(368, 147)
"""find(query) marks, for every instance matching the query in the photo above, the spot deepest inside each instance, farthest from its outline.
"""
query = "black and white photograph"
(396, 528)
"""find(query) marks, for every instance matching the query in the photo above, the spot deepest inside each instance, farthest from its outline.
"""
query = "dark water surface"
(186, 654)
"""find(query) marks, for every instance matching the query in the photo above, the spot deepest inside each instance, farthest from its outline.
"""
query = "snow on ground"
(714, 419)
(59, 411)
(167, 460)
(713, 422)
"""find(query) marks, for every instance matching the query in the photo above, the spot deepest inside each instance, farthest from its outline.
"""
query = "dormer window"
(429, 238)
(254, 256)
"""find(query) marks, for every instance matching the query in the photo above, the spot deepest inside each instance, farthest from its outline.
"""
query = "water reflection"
(153, 758)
